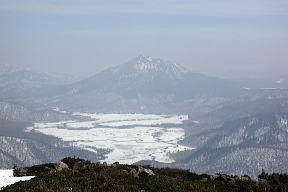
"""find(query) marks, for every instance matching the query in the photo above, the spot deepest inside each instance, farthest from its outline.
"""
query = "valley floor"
(128, 137)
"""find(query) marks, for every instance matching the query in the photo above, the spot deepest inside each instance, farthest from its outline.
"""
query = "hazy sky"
(85, 36)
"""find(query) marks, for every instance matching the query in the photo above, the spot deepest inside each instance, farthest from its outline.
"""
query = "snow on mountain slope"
(145, 74)
(143, 84)
(28, 152)
(11, 112)
(244, 146)
(148, 64)
(142, 72)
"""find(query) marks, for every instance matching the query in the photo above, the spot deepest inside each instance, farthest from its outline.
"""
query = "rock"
(215, 176)
(60, 166)
(146, 173)
(20, 172)
(133, 172)
(141, 172)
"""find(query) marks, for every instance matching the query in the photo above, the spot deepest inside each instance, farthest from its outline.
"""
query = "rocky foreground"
(72, 174)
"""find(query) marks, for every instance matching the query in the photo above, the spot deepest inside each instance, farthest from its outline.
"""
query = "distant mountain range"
(143, 84)
(9, 68)
(235, 129)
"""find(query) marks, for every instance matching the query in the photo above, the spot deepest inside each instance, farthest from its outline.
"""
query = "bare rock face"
(20, 172)
(60, 166)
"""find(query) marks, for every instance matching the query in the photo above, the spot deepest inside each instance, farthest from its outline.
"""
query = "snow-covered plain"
(7, 178)
(129, 137)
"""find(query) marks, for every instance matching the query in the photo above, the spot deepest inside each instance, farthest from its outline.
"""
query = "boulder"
(215, 176)
(141, 172)
(20, 172)
(134, 172)
(60, 166)
(145, 172)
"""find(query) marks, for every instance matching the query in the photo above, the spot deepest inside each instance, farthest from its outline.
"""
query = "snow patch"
(7, 178)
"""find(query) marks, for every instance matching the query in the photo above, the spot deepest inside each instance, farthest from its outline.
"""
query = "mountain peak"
(144, 57)
(144, 63)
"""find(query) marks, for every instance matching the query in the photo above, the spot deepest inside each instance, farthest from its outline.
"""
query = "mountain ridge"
(244, 146)
(144, 82)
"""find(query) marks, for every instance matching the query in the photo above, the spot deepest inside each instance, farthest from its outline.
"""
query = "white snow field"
(7, 178)
(130, 137)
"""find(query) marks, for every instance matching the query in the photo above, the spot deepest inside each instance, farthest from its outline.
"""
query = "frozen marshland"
(128, 137)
